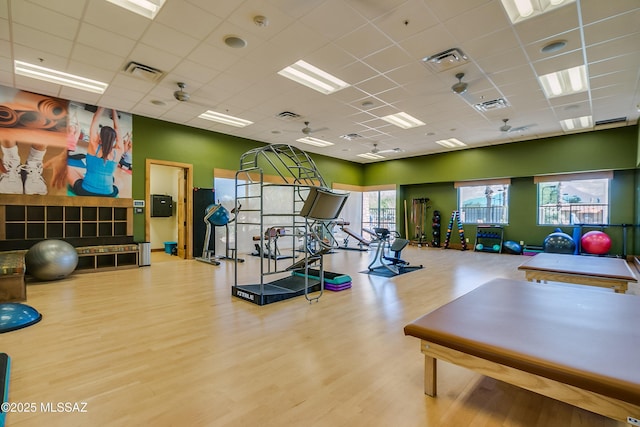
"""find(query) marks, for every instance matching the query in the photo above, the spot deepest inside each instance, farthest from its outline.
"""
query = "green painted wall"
(427, 176)
(599, 150)
(523, 210)
(207, 150)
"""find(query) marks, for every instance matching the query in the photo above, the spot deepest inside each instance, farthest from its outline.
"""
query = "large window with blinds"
(573, 198)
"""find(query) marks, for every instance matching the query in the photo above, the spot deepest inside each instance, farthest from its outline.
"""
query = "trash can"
(144, 254)
(170, 247)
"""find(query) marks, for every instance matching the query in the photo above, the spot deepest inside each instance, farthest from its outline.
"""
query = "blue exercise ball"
(559, 243)
(512, 247)
(51, 260)
(218, 215)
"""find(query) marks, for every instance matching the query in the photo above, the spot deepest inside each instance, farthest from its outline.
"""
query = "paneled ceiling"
(376, 46)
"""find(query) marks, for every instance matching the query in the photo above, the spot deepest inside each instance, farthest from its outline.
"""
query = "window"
(573, 199)
(379, 209)
(485, 202)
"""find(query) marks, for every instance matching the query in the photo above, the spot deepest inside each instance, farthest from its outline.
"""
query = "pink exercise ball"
(595, 242)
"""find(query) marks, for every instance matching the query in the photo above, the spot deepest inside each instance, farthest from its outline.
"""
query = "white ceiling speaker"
(460, 87)
(180, 94)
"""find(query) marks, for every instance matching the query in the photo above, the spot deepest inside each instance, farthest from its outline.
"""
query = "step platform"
(329, 277)
(337, 288)
(278, 290)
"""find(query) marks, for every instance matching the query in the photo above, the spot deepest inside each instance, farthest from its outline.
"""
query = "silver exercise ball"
(51, 260)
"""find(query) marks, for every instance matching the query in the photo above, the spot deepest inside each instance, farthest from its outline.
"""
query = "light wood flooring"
(167, 345)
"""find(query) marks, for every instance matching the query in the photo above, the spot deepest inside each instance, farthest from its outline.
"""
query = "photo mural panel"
(51, 146)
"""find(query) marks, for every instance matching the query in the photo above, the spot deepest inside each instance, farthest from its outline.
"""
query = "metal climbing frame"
(272, 212)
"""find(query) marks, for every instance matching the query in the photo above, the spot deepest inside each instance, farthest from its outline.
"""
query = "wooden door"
(181, 213)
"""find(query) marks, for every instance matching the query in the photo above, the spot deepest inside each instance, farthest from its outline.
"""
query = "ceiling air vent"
(351, 136)
(288, 116)
(494, 104)
(611, 121)
(143, 72)
(445, 60)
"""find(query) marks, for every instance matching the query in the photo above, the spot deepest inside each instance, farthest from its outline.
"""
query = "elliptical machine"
(393, 262)
(217, 215)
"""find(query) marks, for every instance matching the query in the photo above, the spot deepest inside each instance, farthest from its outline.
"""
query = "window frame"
(505, 183)
(605, 217)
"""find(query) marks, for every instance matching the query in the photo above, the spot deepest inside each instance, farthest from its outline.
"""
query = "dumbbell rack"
(489, 236)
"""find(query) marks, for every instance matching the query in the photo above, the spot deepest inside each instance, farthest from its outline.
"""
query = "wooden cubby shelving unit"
(84, 221)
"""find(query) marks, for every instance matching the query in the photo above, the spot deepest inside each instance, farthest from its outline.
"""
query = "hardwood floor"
(167, 345)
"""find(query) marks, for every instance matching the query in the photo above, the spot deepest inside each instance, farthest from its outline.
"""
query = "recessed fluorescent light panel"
(224, 119)
(58, 77)
(451, 143)
(564, 82)
(314, 141)
(584, 122)
(313, 77)
(371, 156)
(520, 10)
(147, 8)
(403, 120)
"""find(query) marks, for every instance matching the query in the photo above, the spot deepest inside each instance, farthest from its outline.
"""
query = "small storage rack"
(489, 238)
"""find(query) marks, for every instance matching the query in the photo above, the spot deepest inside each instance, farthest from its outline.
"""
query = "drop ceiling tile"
(612, 28)
(333, 19)
(46, 42)
(496, 43)
(294, 8)
(615, 64)
(153, 57)
(214, 57)
(355, 73)
(429, 42)
(277, 20)
(120, 22)
(194, 73)
(409, 73)
(406, 20)
(299, 39)
(104, 40)
(545, 26)
(187, 18)
(511, 59)
(169, 40)
(364, 41)
(72, 8)
(373, 9)
(4, 35)
(330, 58)
(595, 10)
(103, 60)
(571, 38)
(612, 48)
(559, 62)
(387, 59)
(221, 8)
(376, 85)
(446, 9)
(30, 15)
(349, 94)
(478, 22)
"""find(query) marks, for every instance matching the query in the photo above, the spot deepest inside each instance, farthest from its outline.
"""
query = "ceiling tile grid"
(376, 46)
